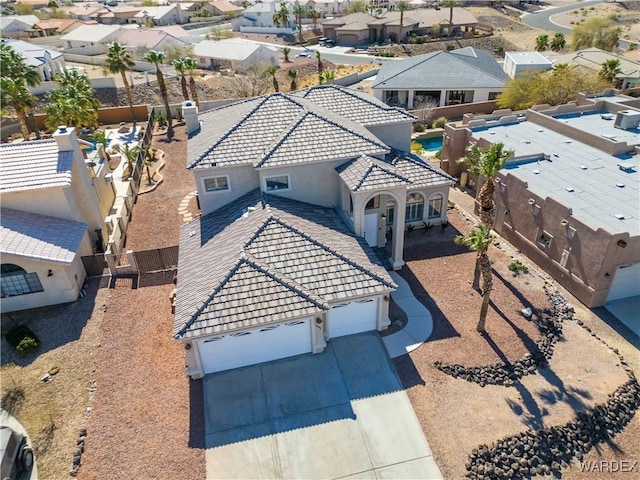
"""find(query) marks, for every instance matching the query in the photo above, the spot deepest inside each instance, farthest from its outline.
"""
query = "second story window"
(276, 183)
(216, 184)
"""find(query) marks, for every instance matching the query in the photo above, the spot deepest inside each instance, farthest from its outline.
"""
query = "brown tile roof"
(264, 258)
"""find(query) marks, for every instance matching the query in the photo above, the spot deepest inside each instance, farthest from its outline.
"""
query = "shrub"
(420, 40)
(416, 147)
(410, 228)
(516, 267)
(418, 127)
(439, 122)
(439, 154)
(22, 339)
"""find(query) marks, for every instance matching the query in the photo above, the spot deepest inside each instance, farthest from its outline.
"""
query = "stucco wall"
(242, 180)
(396, 136)
(61, 287)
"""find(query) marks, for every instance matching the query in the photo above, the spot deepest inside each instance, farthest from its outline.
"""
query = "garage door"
(256, 346)
(626, 283)
(354, 317)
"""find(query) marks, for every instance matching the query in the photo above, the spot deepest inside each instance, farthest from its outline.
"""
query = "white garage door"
(255, 346)
(626, 283)
(353, 317)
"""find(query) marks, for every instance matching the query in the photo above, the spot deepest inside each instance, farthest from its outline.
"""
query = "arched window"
(16, 281)
(415, 207)
(435, 206)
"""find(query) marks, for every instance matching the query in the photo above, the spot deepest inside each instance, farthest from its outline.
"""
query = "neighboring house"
(260, 16)
(46, 61)
(175, 31)
(460, 76)
(593, 58)
(350, 30)
(520, 63)
(326, 7)
(91, 35)
(17, 26)
(141, 41)
(86, 12)
(119, 15)
(55, 26)
(54, 207)
(295, 190)
(163, 15)
(568, 198)
(237, 54)
(223, 7)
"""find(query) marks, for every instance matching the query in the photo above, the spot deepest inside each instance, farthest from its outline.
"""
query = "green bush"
(439, 122)
(418, 127)
(516, 267)
(22, 339)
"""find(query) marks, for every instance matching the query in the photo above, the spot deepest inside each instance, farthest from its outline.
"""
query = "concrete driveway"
(340, 414)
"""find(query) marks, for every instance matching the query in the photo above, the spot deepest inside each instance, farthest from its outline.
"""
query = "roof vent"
(570, 189)
(584, 167)
(620, 185)
(619, 216)
(62, 129)
(626, 168)
(627, 120)
(536, 171)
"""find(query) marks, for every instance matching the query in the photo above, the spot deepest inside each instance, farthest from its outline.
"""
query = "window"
(280, 182)
(415, 207)
(373, 203)
(391, 213)
(544, 239)
(216, 184)
(493, 95)
(15, 281)
(435, 206)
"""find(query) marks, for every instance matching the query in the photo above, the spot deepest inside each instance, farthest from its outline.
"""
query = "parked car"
(17, 456)
(303, 55)
(327, 42)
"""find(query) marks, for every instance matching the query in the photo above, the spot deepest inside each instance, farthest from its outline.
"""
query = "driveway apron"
(339, 414)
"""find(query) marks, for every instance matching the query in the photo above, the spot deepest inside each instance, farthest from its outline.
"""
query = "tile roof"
(442, 70)
(39, 236)
(235, 273)
(91, 33)
(273, 130)
(358, 107)
(367, 173)
(34, 165)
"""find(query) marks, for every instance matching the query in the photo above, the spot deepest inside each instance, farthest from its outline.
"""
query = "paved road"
(542, 18)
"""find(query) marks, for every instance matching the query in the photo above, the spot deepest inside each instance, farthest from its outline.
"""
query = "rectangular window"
(435, 207)
(14, 284)
(280, 182)
(216, 184)
(391, 212)
(493, 95)
(414, 212)
(544, 239)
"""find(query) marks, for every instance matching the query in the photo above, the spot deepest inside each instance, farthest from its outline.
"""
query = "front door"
(371, 229)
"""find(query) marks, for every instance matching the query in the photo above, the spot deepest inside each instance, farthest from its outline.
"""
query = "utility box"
(627, 120)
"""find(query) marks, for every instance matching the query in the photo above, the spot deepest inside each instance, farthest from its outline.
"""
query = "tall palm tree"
(272, 71)
(14, 66)
(119, 60)
(487, 163)
(314, 15)
(298, 12)
(450, 4)
(542, 42)
(74, 103)
(293, 75)
(190, 65)
(157, 58)
(610, 69)
(558, 42)
(402, 6)
(479, 240)
(178, 64)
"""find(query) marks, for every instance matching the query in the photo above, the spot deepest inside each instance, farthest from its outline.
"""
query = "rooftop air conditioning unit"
(627, 120)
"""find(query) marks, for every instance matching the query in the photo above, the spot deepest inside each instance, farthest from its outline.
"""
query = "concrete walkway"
(419, 321)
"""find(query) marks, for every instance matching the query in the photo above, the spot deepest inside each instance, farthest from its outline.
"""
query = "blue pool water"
(430, 144)
(92, 149)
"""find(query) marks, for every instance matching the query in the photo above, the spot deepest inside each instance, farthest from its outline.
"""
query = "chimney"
(66, 138)
(190, 115)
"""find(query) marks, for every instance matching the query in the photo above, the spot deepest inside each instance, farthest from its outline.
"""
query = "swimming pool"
(430, 144)
(94, 143)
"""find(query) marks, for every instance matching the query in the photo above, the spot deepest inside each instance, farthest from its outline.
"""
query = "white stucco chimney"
(190, 115)
(66, 138)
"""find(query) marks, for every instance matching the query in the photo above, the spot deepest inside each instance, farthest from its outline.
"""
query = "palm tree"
(299, 11)
(314, 15)
(190, 65)
(272, 71)
(402, 6)
(157, 58)
(558, 42)
(130, 155)
(119, 60)
(293, 75)
(610, 69)
(542, 42)
(285, 52)
(320, 65)
(450, 4)
(479, 240)
(178, 64)
(74, 103)
(13, 67)
(487, 163)
(14, 92)
(282, 15)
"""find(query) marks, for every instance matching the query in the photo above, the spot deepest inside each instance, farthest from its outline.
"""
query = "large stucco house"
(295, 191)
(54, 206)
